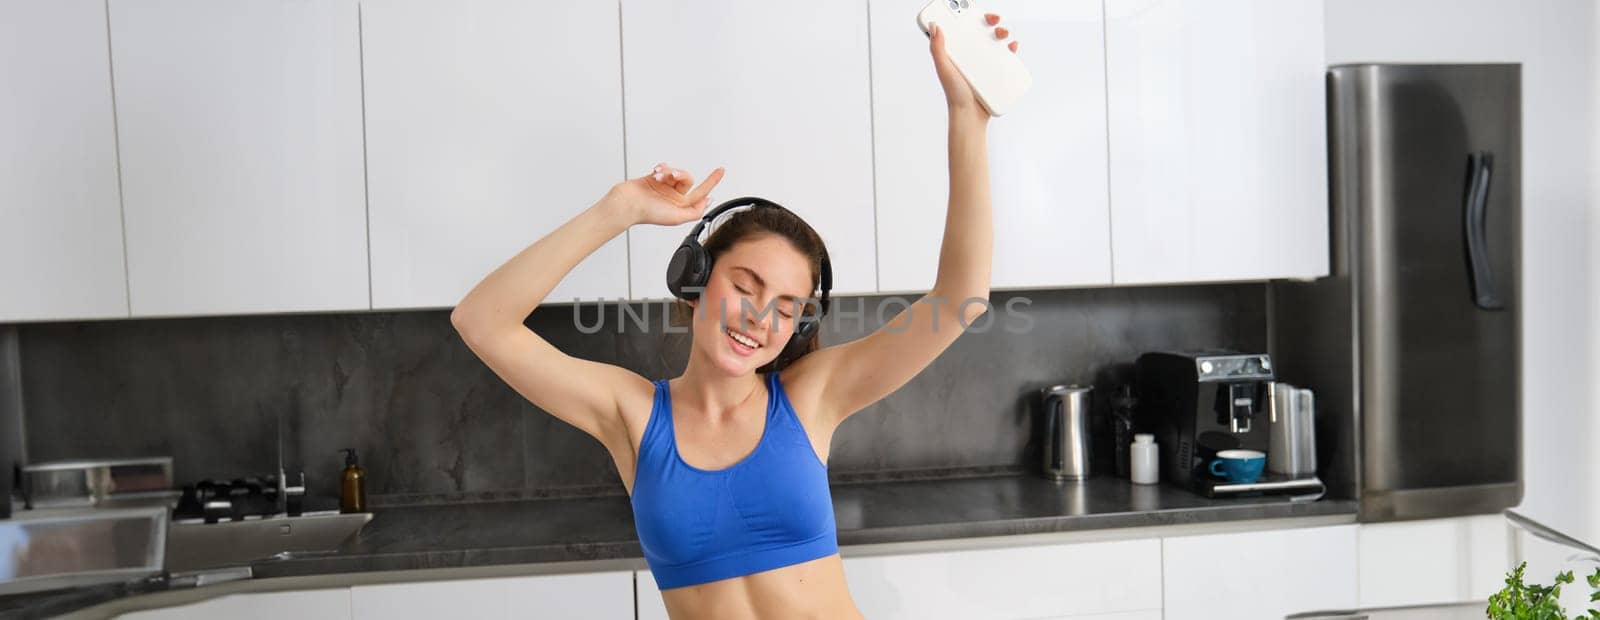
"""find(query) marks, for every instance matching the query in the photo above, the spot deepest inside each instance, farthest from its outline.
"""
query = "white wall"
(1555, 41)
(1594, 255)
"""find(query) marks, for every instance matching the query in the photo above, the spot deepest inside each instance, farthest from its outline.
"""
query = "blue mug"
(1239, 466)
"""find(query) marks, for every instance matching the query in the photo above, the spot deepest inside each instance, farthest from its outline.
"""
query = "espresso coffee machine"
(1198, 403)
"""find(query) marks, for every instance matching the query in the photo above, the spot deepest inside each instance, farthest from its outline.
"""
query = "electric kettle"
(1066, 432)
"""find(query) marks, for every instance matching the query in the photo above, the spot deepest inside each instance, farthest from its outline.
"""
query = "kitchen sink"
(195, 546)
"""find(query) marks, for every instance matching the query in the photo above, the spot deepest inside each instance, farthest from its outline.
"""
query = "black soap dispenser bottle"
(352, 485)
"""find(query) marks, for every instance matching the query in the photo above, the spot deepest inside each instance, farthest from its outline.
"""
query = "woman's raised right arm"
(490, 318)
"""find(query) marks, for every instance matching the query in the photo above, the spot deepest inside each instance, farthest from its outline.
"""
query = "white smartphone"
(995, 73)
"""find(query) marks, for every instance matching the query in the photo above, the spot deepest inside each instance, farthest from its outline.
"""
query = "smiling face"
(747, 312)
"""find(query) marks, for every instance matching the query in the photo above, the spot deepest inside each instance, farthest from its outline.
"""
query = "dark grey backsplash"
(432, 423)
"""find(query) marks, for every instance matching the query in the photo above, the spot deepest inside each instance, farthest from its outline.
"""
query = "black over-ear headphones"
(690, 267)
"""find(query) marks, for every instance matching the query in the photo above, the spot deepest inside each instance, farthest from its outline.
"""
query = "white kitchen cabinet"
(240, 137)
(776, 93)
(329, 604)
(869, 590)
(1105, 580)
(586, 596)
(1047, 157)
(1266, 574)
(1070, 580)
(60, 215)
(1218, 140)
(1433, 561)
(648, 597)
(489, 124)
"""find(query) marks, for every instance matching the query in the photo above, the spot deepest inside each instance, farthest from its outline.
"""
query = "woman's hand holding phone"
(960, 95)
(663, 197)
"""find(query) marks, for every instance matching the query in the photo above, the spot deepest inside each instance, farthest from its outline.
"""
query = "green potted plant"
(1520, 601)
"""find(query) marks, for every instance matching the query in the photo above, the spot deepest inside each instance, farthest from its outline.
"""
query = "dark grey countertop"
(522, 532)
(561, 530)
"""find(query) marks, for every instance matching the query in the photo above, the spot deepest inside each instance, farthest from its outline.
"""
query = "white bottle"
(1142, 459)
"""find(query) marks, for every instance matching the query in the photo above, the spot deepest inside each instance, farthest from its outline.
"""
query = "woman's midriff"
(814, 589)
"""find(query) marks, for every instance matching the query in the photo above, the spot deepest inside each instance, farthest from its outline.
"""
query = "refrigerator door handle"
(1480, 165)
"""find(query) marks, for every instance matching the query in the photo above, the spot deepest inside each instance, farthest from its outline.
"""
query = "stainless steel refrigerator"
(1412, 343)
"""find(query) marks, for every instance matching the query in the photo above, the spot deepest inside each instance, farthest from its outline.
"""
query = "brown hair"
(765, 220)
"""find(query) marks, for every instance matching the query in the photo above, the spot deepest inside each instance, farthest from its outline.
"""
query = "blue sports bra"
(769, 510)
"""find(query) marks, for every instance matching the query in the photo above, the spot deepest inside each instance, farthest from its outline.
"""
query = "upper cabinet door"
(240, 131)
(1047, 157)
(60, 219)
(777, 93)
(1218, 140)
(489, 125)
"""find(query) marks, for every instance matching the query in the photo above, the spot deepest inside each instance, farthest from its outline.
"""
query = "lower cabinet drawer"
(1434, 561)
(1260, 574)
(1121, 578)
(587, 596)
(1082, 581)
(330, 604)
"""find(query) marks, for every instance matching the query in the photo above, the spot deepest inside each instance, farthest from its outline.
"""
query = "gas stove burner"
(251, 497)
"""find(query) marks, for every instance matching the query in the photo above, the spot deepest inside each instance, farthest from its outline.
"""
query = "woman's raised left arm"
(853, 375)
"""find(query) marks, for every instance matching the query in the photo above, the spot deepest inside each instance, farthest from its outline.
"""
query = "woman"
(726, 464)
